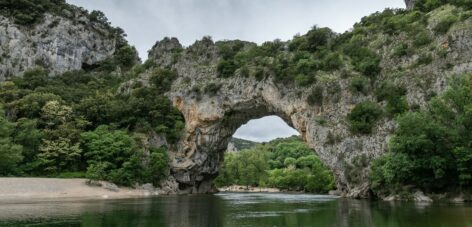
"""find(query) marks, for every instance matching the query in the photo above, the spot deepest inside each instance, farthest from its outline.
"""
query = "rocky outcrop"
(410, 4)
(212, 118)
(56, 43)
(231, 147)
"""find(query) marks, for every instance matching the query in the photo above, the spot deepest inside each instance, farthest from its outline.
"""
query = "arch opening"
(265, 129)
(267, 154)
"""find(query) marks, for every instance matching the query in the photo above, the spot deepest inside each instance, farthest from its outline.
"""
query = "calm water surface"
(235, 209)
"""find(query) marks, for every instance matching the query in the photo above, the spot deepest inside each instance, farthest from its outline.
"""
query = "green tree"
(105, 145)
(364, 116)
(430, 149)
(57, 156)
(29, 136)
(30, 105)
(10, 153)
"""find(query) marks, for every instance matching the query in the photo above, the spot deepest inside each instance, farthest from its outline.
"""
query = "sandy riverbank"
(30, 189)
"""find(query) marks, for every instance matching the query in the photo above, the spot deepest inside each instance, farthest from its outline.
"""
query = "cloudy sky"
(146, 21)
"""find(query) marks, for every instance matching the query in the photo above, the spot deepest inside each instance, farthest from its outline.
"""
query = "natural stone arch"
(210, 124)
(213, 114)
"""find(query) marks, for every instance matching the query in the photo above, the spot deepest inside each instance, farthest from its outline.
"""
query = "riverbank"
(31, 189)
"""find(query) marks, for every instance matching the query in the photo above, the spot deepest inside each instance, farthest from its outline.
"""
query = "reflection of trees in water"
(353, 213)
(172, 211)
(162, 211)
(201, 210)
(401, 214)
(235, 210)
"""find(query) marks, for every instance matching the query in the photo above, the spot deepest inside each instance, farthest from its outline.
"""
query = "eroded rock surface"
(57, 44)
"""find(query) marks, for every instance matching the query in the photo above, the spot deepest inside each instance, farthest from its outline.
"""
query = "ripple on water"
(251, 198)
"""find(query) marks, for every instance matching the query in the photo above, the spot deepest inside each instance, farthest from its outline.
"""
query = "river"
(235, 209)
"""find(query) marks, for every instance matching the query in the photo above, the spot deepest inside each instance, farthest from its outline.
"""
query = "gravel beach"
(30, 189)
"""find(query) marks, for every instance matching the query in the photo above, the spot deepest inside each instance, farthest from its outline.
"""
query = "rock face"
(410, 4)
(212, 118)
(56, 43)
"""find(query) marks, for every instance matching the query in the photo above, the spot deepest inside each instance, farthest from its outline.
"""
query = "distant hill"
(237, 144)
(274, 142)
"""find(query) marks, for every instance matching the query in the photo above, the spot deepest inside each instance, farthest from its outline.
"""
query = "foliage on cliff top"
(26, 12)
(305, 58)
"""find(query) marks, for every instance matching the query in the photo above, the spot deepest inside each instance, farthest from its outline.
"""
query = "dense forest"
(287, 164)
(77, 124)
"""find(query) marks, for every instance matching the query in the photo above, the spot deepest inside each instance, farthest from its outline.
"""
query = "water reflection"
(235, 210)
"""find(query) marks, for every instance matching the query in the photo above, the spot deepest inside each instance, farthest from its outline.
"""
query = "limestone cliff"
(56, 43)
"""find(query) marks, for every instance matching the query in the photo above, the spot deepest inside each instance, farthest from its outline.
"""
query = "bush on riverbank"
(431, 148)
(78, 123)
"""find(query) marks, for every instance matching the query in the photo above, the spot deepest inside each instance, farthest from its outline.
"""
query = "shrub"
(126, 56)
(425, 59)
(315, 39)
(161, 79)
(445, 24)
(304, 80)
(332, 62)
(369, 66)
(401, 50)
(364, 60)
(387, 90)
(33, 79)
(30, 106)
(229, 49)
(359, 84)
(394, 95)
(316, 96)
(364, 116)
(212, 89)
(428, 5)
(421, 39)
(158, 166)
(10, 152)
(389, 171)
(98, 16)
(226, 68)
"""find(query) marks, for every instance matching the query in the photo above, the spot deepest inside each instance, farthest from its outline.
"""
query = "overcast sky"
(146, 21)
(265, 129)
